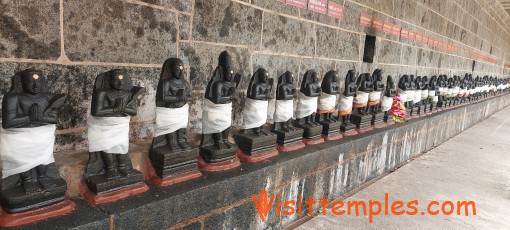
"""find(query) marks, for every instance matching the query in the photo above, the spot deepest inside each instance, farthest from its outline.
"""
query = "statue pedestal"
(311, 133)
(331, 129)
(388, 119)
(99, 184)
(348, 130)
(363, 122)
(172, 175)
(289, 140)
(253, 147)
(17, 219)
(211, 154)
(15, 200)
(112, 196)
(378, 120)
(167, 162)
(423, 110)
(231, 163)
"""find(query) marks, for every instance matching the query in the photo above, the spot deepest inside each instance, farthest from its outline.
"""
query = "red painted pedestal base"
(364, 130)
(379, 125)
(172, 179)
(390, 122)
(313, 141)
(97, 199)
(220, 166)
(17, 219)
(349, 133)
(290, 147)
(257, 158)
(333, 137)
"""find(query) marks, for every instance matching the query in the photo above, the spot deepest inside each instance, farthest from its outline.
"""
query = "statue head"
(225, 61)
(172, 68)
(351, 76)
(315, 78)
(32, 81)
(289, 77)
(263, 75)
(117, 79)
(377, 75)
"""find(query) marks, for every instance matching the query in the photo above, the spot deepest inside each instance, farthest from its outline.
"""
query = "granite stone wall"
(73, 41)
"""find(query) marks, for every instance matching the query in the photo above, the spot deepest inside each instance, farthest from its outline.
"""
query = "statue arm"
(260, 94)
(51, 113)
(218, 97)
(98, 108)
(168, 95)
(11, 119)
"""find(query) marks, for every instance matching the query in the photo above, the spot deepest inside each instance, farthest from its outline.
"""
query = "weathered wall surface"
(73, 41)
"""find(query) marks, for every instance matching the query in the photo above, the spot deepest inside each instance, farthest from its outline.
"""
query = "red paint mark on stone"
(335, 10)
(365, 20)
(18, 219)
(298, 3)
(387, 27)
(404, 33)
(318, 6)
(377, 24)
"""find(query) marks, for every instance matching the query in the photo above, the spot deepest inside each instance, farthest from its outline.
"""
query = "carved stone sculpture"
(172, 157)
(361, 116)
(307, 107)
(433, 91)
(256, 142)
(114, 101)
(387, 101)
(374, 101)
(346, 103)
(30, 179)
(288, 137)
(327, 106)
(216, 152)
(405, 93)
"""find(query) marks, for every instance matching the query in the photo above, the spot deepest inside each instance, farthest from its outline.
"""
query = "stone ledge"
(331, 169)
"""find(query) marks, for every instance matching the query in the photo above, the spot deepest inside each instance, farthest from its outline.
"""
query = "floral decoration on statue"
(398, 110)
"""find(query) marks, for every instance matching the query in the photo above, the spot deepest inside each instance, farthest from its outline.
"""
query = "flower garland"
(398, 110)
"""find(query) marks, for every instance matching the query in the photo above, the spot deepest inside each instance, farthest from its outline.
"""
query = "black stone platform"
(211, 154)
(377, 118)
(252, 144)
(167, 163)
(98, 184)
(330, 169)
(290, 137)
(361, 121)
(330, 128)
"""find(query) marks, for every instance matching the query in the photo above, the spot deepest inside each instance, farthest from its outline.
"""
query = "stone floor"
(474, 165)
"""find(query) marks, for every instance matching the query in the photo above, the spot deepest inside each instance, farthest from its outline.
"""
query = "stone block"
(337, 44)
(180, 5)
(30, 29)
(115, 31)
(287, 35)
(389, 52)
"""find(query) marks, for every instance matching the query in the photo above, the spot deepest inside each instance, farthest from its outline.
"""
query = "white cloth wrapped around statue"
(386, 103)
(361, 99)
(216, 117)
(255, 113)
(108, 134)
(417, 96)
(284, 110)
(374, 98)
(402, 94)
(432, 94)
(410, 95)
(22, 149)
(424, 94)
(345, 105)
(327, 103)
(306, 105)
(169, 120)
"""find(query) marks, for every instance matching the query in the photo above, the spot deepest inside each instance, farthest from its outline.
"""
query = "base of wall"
(331, 169)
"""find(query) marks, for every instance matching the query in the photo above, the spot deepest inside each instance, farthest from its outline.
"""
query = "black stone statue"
(217, 115)
(406, 93)
(375, 106)
(387, 103)
(433, 93)
(170, 152)
(29, 114)
(287, 134)
(425, 100)
(361, 117)
(327, 104)
(254, 139)
(114, 100)
(418, 105)
(346, 102)
(307, 106)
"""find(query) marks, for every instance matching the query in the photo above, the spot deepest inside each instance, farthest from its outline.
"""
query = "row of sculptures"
(323, 112)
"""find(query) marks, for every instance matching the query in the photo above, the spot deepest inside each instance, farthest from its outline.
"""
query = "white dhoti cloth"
(386, 103)
(216, 117)
(168, 120)
(345, 105)
(361, 99)
(424, 94)
(22, 149)
(432, 94)
(443, 91)
(306, 105)
(417, 96)
(374, 98)
(254, 114)
(327, 103)
(402, 94)
(284, 110)
(410, 95)
(108, 134)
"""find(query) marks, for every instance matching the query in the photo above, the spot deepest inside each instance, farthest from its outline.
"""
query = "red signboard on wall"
(377, 24)
(387, 27)
(335, 10)
(365, 20)
(412, 35)
(298, 3)
(404, 33)
(318, 6)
